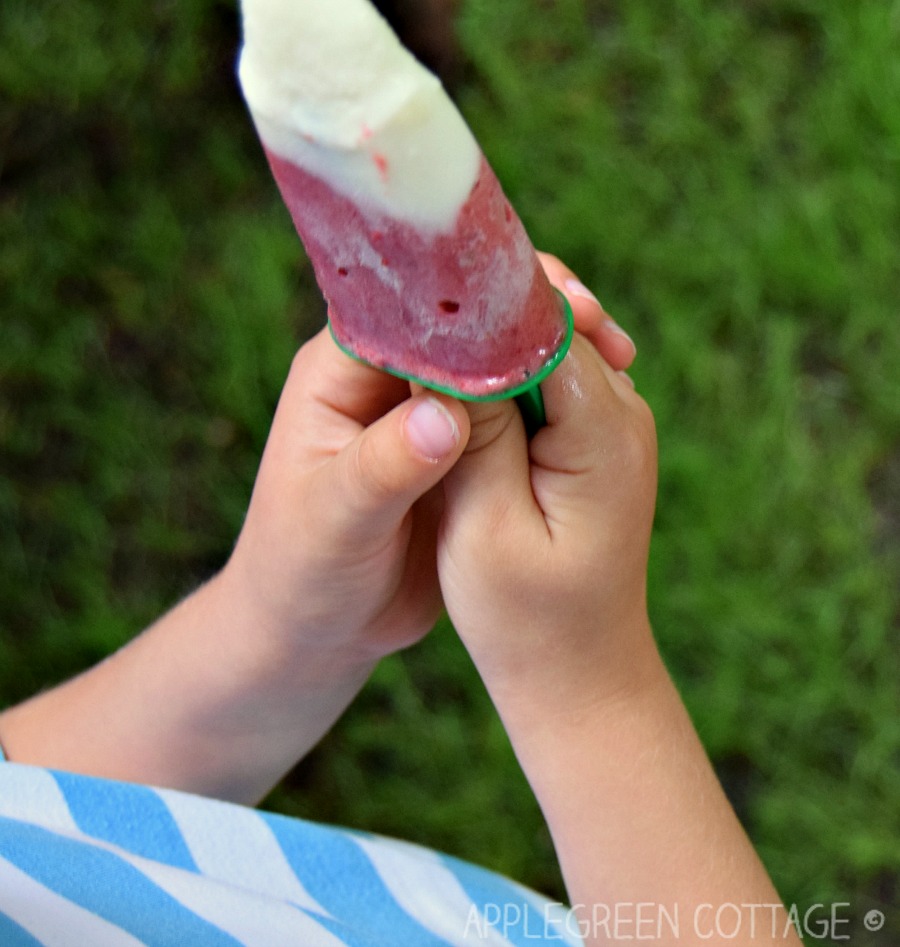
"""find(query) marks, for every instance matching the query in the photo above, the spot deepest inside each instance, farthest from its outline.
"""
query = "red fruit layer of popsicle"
(469, 310)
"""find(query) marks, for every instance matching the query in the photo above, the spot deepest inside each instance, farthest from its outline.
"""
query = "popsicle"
(426, 268)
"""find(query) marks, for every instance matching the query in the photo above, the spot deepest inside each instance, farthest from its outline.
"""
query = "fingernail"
(615, 328)
(431, 429)
(577, 288)
(626, 378)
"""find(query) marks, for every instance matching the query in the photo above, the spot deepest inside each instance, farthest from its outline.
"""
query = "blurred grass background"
(725, 175)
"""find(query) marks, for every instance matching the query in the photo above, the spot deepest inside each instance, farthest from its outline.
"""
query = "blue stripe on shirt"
(103, 883)
(336, 872)
(11, 935)
(524, 921)
(128, 816)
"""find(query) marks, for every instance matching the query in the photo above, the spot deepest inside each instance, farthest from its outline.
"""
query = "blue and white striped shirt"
(88, 862)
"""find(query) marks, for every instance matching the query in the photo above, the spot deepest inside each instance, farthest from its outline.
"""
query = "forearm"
(639, 818)
(200, 701)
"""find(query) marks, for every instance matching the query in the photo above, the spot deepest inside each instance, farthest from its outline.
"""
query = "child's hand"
(542, 560)
(544, 546)
(334, 567)
(591, 319)
(337, 551)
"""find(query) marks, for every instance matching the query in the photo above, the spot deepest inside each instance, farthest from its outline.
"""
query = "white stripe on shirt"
(52, 919)
(33, 796)
(234, 845)
(427, 890)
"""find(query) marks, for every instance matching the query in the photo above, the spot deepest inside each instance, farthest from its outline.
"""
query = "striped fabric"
(87, 862)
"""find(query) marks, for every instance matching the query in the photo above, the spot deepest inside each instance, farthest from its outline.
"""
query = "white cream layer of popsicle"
(331, 89)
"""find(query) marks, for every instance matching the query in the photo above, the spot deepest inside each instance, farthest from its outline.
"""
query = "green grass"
(726, 176)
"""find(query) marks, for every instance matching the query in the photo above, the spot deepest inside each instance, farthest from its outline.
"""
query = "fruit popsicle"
(426, 268)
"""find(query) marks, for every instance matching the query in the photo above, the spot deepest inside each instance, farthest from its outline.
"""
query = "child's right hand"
(542, 561)
(544, 546)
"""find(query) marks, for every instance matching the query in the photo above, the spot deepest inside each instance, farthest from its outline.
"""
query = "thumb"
(375, 480)
(489, 487)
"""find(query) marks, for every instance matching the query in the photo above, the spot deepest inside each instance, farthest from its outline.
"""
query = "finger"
(591, 319)
(330, 377)
(489, 485)
(372, 483)
(591, 410)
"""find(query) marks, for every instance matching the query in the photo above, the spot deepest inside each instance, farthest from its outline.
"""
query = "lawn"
(726, 177)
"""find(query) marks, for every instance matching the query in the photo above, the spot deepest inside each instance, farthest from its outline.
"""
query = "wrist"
(639, 688)
(553, 678)
(298, 645)
(244, 698)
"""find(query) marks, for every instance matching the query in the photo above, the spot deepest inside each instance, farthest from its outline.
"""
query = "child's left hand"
(337, 551)
(333, 569)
